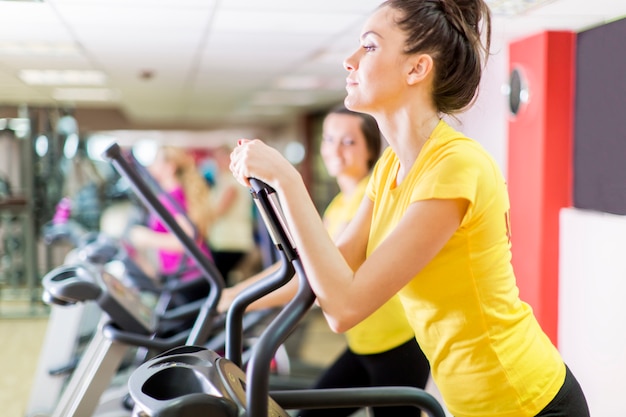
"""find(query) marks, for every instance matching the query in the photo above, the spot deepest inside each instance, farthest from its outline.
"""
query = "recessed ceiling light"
(513, 7)
(84, 94)
(62, 77)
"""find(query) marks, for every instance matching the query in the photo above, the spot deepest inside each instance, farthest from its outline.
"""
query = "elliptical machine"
(193, 381)
(75, 320)
(126, 323)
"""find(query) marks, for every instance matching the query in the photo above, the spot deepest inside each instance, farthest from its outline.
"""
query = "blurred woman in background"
(187, 192)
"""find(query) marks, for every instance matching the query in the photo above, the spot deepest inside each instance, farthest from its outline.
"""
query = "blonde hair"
(194, 186)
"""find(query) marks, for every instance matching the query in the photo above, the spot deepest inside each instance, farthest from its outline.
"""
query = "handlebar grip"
(258, 186)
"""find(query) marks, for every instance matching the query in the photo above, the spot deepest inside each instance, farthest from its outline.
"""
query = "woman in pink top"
(176, 173)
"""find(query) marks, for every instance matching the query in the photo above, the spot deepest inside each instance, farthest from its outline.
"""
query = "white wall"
(487, 120)
(592, 309)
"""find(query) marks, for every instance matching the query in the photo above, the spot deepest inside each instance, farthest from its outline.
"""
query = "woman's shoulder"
(451, 142)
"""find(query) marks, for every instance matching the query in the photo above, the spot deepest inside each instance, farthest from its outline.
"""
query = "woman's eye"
(369, 48)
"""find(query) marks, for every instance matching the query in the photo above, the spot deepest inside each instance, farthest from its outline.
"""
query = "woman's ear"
(421, 67)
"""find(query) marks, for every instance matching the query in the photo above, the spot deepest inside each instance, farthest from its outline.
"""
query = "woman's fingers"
(237, 164)
(246, 161)
(254, 159)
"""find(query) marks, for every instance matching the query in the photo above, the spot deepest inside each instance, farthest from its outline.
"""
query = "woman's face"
(378, 68)
(344, 148)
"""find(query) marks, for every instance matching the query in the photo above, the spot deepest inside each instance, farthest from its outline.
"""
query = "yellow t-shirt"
(488, 354)
(388, 326)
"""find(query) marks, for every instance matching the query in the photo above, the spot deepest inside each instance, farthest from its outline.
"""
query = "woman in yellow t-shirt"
(382, 350)
(434, 227)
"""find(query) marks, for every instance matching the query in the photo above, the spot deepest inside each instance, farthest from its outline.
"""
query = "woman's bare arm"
(144, 238)
(276, 298)
(348, 286)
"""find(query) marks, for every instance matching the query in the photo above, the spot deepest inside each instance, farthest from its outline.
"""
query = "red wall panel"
(540, 167)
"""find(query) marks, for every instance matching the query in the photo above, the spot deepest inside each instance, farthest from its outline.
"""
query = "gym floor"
(21, 340)
(20, 343)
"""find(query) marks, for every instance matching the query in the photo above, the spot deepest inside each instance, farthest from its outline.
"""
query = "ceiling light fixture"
(84, 94)
(514, 7)
(62, 77)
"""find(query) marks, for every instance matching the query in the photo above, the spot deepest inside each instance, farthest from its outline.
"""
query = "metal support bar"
(92, 377)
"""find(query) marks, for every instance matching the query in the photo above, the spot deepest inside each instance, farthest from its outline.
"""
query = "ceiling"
(190, 64)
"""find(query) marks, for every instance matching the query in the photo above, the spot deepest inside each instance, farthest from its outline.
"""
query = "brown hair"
(370, 131)
(194, 185)
(450, 31)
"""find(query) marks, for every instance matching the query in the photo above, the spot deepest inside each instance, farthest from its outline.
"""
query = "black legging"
(404, 365)
(569, 401)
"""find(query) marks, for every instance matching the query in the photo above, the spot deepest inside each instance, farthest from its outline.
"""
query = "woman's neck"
(407, 133)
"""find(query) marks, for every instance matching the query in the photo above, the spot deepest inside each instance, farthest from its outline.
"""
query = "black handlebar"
(258, 370)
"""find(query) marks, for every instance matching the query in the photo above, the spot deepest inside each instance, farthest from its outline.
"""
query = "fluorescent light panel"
(62, 77)
(514, 7)
(84, 94)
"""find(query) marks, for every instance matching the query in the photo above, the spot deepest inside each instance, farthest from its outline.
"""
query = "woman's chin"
(354, 104)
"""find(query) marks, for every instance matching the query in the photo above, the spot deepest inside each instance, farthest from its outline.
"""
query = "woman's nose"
(330, 148)
(350, 62)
